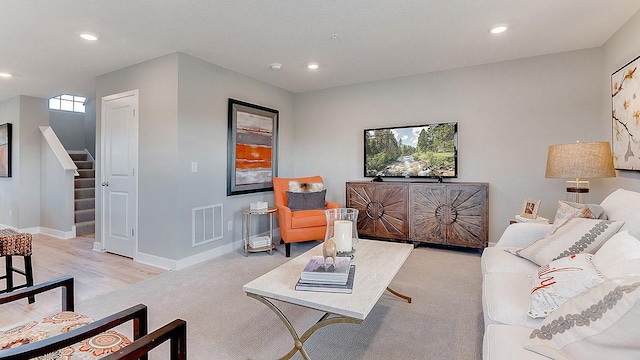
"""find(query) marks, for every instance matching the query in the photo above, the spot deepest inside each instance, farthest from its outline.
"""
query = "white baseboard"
(47, 231)
(59, 234)
(171, 264)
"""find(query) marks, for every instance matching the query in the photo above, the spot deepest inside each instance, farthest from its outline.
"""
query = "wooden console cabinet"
(439, 213)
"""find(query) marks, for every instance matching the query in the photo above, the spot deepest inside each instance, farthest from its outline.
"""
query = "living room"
(508, 112)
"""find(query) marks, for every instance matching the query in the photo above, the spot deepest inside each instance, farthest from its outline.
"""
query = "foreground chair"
(301, 225)
(66, 334)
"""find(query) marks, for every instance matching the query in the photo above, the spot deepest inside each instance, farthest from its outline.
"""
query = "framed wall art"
(252, 148)
(5, 150)
(625, 113)
(530, 208)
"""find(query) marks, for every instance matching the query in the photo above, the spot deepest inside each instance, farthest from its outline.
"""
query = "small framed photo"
(530, 208)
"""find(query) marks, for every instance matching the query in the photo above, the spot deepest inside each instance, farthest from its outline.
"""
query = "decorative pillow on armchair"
(561, 280)
(571, 236)
(601, 323)
(304, 187)
(306, 200)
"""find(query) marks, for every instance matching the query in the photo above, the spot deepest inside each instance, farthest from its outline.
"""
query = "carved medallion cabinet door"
(382, 209)
(451, 214)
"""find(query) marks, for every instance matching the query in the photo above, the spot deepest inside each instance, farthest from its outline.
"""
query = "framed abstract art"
(252, 146)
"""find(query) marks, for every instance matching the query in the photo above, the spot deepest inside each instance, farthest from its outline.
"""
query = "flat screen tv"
(422, 151)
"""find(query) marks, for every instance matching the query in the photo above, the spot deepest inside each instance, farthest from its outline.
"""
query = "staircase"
(85, 195)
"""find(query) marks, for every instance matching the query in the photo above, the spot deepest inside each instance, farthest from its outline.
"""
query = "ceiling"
(374, 39)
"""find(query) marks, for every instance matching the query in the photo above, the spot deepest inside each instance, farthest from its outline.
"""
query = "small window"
(67, 103)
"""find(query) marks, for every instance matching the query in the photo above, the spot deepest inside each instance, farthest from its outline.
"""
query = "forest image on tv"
(416, 151)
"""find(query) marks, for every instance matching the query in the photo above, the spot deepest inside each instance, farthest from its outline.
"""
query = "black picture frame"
(5, 150)
(252, 148)
(625, 131)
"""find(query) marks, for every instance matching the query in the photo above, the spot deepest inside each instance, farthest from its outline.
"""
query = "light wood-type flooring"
(95, 273)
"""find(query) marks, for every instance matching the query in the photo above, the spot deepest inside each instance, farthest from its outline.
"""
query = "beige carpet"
(444, 321)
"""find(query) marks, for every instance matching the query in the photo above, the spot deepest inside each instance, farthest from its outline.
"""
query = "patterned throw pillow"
(305, 187)
(571, 236)
(567, 210)
(559, 281)
(601, 323)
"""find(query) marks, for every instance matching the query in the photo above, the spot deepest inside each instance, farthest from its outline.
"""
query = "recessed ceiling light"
(276, 66)
(5, 75)
(313, 66)
(498, 29)
(88, 36)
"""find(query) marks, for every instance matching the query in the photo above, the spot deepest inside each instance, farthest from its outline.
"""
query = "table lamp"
(579, 161)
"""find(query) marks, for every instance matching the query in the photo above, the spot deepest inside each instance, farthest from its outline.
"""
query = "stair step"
(84, 215)
(84, 164)
(86, 173)
(85, 227)
(81, 183)
(85, 193)
(78, 156)
(84, 204)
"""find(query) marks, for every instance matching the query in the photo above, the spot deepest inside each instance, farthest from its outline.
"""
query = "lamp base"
(577, 191)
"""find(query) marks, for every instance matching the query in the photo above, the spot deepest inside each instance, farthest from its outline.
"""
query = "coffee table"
(377, 263)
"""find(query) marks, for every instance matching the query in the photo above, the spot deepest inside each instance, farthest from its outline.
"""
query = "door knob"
(104, 183)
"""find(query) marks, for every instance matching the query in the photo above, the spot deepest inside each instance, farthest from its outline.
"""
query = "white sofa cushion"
(569, 237)
(624, 205)
(522, 234)
(601, 323)
(559, 281)
(499, 260)
(505, 300)
(504, 342)
(619, 257)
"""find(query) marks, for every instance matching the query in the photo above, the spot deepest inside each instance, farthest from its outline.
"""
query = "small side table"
(247, 226)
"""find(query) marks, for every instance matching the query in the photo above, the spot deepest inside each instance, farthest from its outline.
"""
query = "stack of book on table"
(259, 241)
(336, 277)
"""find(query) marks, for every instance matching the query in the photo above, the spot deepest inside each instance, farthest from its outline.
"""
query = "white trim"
(59, 234)
(47, 231)
(171, 264)
(97, 246)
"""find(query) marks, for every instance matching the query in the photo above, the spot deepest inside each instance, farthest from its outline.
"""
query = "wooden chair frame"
(138, 349)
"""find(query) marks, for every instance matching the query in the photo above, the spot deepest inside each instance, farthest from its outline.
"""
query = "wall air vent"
(207, 224)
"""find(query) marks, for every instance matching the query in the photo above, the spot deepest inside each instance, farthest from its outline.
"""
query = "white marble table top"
(377, 263)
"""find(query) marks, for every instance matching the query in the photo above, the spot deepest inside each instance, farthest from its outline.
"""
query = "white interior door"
(119, 163)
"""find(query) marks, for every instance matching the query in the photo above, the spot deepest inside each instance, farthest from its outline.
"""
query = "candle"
(342, 235)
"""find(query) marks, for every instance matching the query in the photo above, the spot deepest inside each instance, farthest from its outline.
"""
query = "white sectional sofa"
(599, 322)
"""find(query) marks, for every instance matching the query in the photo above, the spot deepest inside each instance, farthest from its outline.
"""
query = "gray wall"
(76, 131)
(20, 194)
(508, 115)
(69, 127)
(183, 119)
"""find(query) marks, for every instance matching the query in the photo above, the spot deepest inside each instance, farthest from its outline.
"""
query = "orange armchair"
(302, 225)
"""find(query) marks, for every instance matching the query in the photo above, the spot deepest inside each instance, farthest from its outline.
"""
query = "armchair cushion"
(306, 200)
(92, 348)
(308, 218)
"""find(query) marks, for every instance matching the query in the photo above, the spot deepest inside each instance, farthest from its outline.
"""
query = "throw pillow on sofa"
(572, 236)
(567, 210)
(600, 323)
(619, 257)
(561, 280)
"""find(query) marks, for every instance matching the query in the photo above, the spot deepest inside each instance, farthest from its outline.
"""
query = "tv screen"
(429, 151)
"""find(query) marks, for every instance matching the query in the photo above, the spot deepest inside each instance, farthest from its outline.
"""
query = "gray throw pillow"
(306, 201)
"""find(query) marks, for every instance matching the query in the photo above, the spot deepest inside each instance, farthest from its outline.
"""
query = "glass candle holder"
(342, 228)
